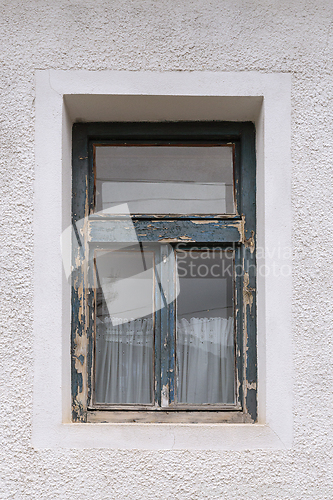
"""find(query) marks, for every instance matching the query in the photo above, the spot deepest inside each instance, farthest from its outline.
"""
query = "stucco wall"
(293, 37)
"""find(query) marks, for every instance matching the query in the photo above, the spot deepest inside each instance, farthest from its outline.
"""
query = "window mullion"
(158, 303)
(167, 324)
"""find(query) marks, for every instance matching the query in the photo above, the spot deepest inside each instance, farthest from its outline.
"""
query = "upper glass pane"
(165, 179)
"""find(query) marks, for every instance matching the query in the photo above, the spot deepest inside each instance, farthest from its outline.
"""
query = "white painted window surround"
(63, 97)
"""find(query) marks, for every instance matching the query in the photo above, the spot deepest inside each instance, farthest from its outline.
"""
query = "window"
(163, 282)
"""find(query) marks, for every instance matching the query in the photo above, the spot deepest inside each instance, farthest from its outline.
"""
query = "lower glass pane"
(124, 326)
(205, 327)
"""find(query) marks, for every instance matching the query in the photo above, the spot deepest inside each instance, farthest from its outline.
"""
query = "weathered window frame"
(238, 231)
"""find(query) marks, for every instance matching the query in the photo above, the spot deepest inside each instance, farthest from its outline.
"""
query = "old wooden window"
(163, 281)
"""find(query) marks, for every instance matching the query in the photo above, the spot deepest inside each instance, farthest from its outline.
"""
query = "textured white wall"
(224, 35)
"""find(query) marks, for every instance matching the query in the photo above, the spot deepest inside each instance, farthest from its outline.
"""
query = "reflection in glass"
(165, 179)
(205, 327)
(124, 327)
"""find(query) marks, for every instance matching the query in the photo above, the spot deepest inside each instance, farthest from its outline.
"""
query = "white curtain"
(124, 361)
(205, 360)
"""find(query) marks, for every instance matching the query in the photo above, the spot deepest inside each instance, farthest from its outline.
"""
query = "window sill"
(160, 436)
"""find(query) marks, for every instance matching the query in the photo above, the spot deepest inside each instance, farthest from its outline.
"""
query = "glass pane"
(205, 327)
(124, 327)
(165, 179)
